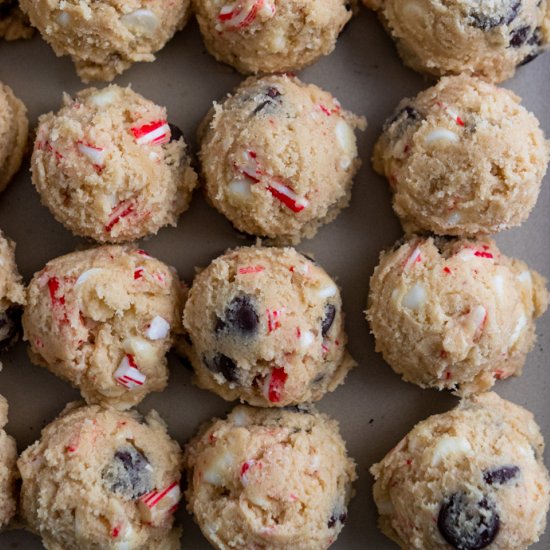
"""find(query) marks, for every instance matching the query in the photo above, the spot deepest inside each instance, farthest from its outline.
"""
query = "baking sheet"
(374, 407)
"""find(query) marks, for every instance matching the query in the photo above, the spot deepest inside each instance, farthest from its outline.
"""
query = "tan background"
(375, 408)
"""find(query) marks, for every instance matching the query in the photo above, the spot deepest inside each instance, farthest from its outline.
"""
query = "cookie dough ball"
(105, 37)
(109, 166)
(8, 469)
(13, 23)
(98, 478)
(271, 36)
(468, 479)
(454, 314)
(265, 478)
(14, 128)
(489, 38)
(267, 327)
(12, 295)
(278, 157)
(462, 158)
(104, 319)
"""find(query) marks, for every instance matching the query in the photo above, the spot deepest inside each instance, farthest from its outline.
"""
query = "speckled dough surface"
(462, 158)
(468, 479)
(100, 478)
(103, 319)
(267, 327)
(489, 38)
(278, 157)
(109, 166)
(8, 470)
(454, 314)
(105, 37)
(14, 128)
(271, 36)
(12, 295)
(13, 23)
(265, 478)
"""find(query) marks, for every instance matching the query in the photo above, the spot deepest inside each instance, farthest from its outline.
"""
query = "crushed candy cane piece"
(123, 210)
(96, 155)
(287, 196)
(244, 469)
(158, 329)
(251, 269)
(274, 384)
(87, 274)
(153, 506)
(452, 113)
(414, 257)
(250, 167)
(128, 374)
(242, 13)
(479, 316)
(153, 133)
(273, 322)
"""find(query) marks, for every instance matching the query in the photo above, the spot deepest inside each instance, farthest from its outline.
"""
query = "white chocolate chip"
(240, 418)
(327, 291)
(518, 329)
(525, 277)
(498, 285)
(64, 19)
(240, 189)
(415, 297)
(219, 469)
(141, 21)
(104, 97)
(477, 315)
(441, 134)
(144, 352)
(158, 329)
(306, 339)
(345, 137)
(454, 218)
(87, 274)
(450, 445)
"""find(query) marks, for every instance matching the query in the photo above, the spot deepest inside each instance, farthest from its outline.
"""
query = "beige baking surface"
(375, 408)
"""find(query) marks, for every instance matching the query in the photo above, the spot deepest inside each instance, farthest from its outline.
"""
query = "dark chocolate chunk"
(129, 473)
(519, 36)
(175, 133)
(10, 327)
(240, 316)
(337, 517)
(486, 22)
(467, 523)
(330, 314)
(221, 364)
(272, 95)
(501, 475)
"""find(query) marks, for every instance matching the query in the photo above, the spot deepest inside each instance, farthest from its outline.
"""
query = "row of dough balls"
(466, 479)
(278, 159)
(266, 326)
(104, 38)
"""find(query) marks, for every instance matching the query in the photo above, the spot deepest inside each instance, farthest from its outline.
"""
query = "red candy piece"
(241, 14)
(413, 257)
(273, 322)
(251, 269)
(483, 254)
(277, 380)
(123, 210)
(287, 196)
(153, 133)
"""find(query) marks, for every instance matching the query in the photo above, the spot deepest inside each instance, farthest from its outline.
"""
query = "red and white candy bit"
(138, 273)
(121, 211)
(152, 133)
(412, 259)
(273, 319)
(250, 167)
(287, 196)
(96, 155)
(128, 374)
(251, 269)
(479, 317)
(244, 469)
(241, 14)
(453, 114)
(46, 146)
(274, 384)
(329, 112)
(155, 505)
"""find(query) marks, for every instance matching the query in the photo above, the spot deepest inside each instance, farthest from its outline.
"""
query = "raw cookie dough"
(278, 157)
(104, 319)
(8, 469)
(454, 314)
(489, 38)
(105, 37)
(468, 479)
(265, 478)
(109, 166)
(462, 158)
(14, 128)
(98, 478)
(271, 36)
(267, 327)
(13, 23)
(12, 295)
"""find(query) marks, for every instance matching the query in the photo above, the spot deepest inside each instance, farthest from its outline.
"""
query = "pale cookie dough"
(109, 166)
(267, 327)
(454, 314)
(105, 37)
(265, 478)
(470, 478)
(12, 295)
(99, 478)
(462, 158)
(8, 469)
(13, 23)
(278, 157)
(271, 36)
(14, 128)
(489, 38)
(104, 319)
